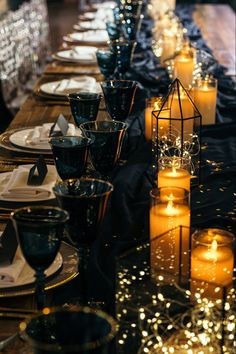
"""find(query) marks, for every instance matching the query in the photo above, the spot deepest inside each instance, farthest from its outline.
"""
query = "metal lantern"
(178, 128)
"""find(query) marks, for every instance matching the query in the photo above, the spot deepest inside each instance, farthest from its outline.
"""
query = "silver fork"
(5, 342)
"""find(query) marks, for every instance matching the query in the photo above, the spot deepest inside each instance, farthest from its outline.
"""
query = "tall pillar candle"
(154, 104)
(205, 96)
(169, 210)
(184, 66)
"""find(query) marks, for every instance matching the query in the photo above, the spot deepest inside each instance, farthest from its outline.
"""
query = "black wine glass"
(124, 50)
(84, 106)
(133, 8)
(113, 30)
(107, 139)
(39, 231)
(131, 25)
(70, 154)
(86, 201)
(80, 330)
(106, 60)
(119, 97)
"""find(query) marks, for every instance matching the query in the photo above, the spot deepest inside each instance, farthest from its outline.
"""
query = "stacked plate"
(92, 37)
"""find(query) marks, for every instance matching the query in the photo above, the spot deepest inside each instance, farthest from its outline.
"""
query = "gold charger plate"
(68, 272)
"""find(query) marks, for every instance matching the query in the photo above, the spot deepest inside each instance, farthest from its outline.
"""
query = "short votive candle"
(205, 97)
(173, 172)
(212, 262)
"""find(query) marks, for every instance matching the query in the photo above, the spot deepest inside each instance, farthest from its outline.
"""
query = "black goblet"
(106, 60)
(84, 106)
(80, 330)
(131, 25)
(133, 8)
(70, 155)
(86, 201)
(119, 97)
(113, 30)
(39, 231)
(124, 50)
(107, 139)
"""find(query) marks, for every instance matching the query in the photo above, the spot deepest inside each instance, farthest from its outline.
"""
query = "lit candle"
(212, 262)
(187, 112)
(166, 215)
(169, 44)
(174, 177)
(184, 66)
(154, 104)
(205, 94)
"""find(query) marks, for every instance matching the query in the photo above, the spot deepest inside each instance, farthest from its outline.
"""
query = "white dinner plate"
(79, 54)
(93, 25)
(26, 276)
(5, 176)
(50, 88)
(21, 138)
(100, 37)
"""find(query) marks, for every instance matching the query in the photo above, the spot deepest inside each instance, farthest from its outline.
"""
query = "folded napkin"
(84, 83)
(83, 53)
(40, 134)
(17, 187)
(9, 274)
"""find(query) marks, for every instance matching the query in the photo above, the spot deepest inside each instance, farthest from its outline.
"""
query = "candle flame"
(170, 205)
(214, 245)
(174, 170)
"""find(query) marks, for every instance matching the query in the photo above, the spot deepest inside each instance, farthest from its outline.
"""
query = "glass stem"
(83, 255)
(40, 293)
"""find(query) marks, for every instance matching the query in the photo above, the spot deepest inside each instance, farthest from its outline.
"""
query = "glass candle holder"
(76, 330)
(154, 104)
(205, 97)
(212, 262)
(174, 171)
(170, 209)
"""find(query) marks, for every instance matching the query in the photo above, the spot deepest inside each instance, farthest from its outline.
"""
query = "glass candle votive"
(155, 104)
(170, 209)
(174, 172)
(212, 262)
(205, 96)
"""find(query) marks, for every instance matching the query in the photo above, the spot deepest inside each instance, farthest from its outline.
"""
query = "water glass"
(107, 139)
(84, 106)
(39, 231)
(70, 154)
(119, 97)
(79, 330)
(106, 60)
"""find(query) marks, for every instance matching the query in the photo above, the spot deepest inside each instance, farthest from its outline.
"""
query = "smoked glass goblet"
(131, 25)
(39, 231)
(70, 155)
(107, 139)
(84, 106)
(77, 330)
(119, 97)
(124, 50)
(86, 201)
(113, 30)
(106, 60)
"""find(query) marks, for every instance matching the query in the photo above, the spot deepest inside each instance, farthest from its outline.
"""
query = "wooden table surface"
(217, 23)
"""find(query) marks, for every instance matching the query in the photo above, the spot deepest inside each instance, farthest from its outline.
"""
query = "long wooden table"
(217, 23)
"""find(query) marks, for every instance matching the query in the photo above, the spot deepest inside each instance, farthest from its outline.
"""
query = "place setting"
(83, 55)
(58, 90)
(90, 37)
